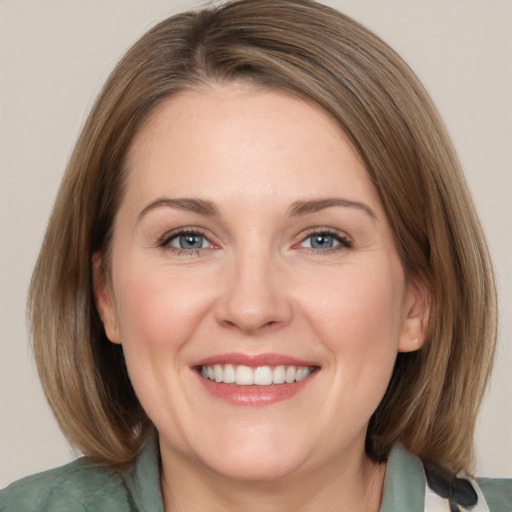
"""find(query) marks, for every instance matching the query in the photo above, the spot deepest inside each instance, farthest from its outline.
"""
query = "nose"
(256, 295)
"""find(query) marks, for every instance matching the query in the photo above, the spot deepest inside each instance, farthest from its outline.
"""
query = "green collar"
(404, 487)
(143, 478)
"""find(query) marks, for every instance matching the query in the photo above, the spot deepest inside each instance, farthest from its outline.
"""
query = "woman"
(264, 285)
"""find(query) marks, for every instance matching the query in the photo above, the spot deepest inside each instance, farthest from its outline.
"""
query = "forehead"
(227, 138)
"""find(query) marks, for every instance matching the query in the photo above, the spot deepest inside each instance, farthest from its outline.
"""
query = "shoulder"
(416, 486)
(497, 493)
(463, 493)
(78, 486)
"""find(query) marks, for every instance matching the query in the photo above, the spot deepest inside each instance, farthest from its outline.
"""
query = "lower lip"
(254, 395)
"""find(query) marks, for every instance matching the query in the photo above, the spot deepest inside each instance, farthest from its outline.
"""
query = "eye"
(324, 240)
(187, 241)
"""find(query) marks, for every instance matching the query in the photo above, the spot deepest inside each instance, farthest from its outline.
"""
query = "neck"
(352, 486)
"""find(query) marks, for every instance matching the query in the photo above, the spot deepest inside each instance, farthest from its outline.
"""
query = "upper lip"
(253, 360)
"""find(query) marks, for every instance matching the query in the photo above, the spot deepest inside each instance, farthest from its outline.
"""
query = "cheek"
(363, 303)
(158, 308)
(158, 312)
(357, 316)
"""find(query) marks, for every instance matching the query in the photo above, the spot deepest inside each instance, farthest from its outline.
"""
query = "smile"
(242, 375)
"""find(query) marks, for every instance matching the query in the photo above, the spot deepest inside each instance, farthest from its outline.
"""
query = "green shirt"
(82, 486)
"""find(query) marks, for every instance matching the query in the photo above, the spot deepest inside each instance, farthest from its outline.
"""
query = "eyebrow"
(306, 207)
(200, 206)
(297, 209)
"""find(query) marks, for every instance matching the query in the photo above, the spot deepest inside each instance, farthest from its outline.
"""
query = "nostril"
(254, 300)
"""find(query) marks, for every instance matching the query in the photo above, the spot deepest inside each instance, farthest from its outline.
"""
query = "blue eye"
(324, 241)
(188, 241)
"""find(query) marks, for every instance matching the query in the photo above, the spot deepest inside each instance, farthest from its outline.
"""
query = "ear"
(104, 300)
(416, 315)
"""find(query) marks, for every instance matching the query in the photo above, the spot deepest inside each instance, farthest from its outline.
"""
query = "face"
(254, 286)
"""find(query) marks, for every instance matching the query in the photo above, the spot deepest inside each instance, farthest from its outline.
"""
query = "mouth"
(242, 375)
(256, 380)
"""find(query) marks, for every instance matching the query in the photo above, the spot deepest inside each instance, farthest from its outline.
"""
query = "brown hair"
(318, 54)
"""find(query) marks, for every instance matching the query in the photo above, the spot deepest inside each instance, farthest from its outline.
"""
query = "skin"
(256, 286)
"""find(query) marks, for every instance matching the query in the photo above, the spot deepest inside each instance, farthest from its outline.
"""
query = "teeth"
(229, 375)
(263, 376)
(244, 376)
(259, 376)
(290, 374)
(302, 373)
(279, 375)
(217, 372)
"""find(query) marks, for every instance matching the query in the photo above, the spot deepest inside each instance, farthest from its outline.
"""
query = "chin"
(257, 454)
(260, 468)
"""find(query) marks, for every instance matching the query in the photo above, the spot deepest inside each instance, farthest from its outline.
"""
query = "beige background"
(55, 54)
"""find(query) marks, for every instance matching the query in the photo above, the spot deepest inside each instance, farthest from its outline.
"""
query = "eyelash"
(164, 242)
(344, 241)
